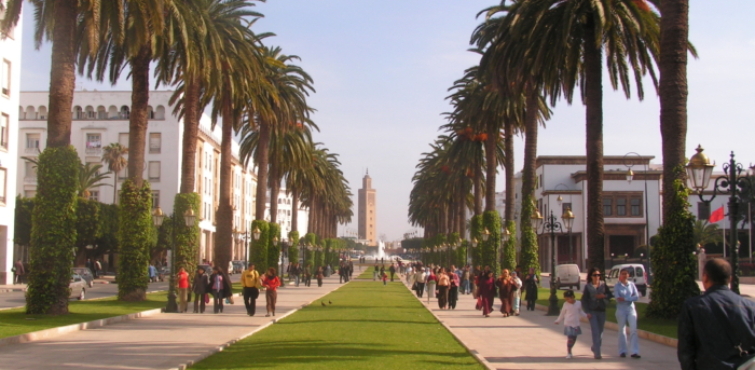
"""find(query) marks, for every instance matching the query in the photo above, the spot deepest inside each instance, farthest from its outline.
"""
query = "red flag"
(716, 215)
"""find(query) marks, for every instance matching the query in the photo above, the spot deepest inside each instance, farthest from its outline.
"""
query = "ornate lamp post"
(552, 226)
(505, 235)
(157, 219)
(699, 171)
(473, 244)
(485, 237)
(569, 215)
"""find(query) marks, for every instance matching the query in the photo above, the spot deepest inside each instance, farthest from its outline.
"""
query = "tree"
(90, 177)
(114, 155)
(705, 233)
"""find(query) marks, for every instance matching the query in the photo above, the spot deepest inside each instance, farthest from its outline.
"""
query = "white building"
(10, 80)
(284, 218)
(101, 118)
(631, 210)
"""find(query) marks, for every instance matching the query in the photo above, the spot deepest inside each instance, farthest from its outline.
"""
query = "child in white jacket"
(570, 314)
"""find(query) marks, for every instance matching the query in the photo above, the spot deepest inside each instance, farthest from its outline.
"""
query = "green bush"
(529, 258)
(53, 234)
(136, 235)
(675, 265)
(293, 247)
(492, 221)
(309, 256)
(476, 233)
(22, 220)
(508, 258)
(258, 252)
(108, 240)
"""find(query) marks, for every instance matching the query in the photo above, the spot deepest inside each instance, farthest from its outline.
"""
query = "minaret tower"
(367, 211)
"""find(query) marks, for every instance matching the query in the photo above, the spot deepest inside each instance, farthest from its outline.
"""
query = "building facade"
(367, 212)
(10, 80)
(101, 118)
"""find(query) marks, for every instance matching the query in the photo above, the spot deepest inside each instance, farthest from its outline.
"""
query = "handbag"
(206, 298)
(414, 286)
(478, 306)
(188, 296)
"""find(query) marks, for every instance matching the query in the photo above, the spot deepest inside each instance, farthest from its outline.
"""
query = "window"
(124, 113)
(155, 142)
(155, 198)
(93, 143)
(607, 207)
(703, 210)
(94, 195)
(634, 205)
(123, 139)
(123, 173)
(31, 170)
(5, 74)
(154, 171)
(621, 207)
(4, 130)
(3, 176)
(30, 193)
(32, 141)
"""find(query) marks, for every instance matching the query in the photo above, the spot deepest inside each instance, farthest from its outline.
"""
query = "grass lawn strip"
(367, 326)
(16, 321)
(665, 327)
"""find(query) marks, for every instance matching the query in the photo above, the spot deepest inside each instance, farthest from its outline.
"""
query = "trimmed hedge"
(137, 234)
(508, 257)
(476, 232)
(293, 247)
(529, 258)
(273, 251)
(309, 256)
(258, 252)
(675, 265)
(53, 233)
(186, 238)
(22, 220)
(492, 221)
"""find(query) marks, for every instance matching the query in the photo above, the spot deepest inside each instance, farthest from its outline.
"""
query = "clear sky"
(382, 70)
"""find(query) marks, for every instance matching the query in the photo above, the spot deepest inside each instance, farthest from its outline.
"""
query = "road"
(16, 299)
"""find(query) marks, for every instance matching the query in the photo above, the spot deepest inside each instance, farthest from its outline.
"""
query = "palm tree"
(114, 155)
(552, 45)
(706, 233)
(90, 177)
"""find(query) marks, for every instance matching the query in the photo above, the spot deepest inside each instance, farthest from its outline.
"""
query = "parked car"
(85, 274)
(78, 287)
(238, 266)
(567, 275)
(637, 275)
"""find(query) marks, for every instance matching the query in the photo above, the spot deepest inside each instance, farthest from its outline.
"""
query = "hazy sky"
(382, 70)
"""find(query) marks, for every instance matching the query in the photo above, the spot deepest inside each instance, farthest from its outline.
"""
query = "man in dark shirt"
(717, 329)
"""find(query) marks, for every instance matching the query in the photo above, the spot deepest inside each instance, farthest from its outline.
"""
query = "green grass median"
(368, 326)
(16, 321)
(665, 327)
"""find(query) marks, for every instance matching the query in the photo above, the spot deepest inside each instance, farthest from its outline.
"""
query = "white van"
(567, 275)
(637, 275)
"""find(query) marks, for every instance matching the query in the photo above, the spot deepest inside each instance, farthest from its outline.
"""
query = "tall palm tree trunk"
(191, 131)
(223, 235)
(294, 209)
(461, 211)
(62, 75)
(529, 257)
(478, 189)
(594, 148)
(490, 170)
(115, 188)
(138, 115)
(263, 159)
(509, 170)
(673, 91)
(275, 185)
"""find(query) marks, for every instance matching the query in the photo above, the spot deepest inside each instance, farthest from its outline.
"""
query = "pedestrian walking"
(571, 312)
(453, 292)
(271, 283)
(486, 292)
(384, 276)
(517, 292)
(319, 275)
(431, 282)
(250, 280)
(296, 270)
(97, 268)
(217, 285)
(419, 281)
(392, 270)
(444, 285)
(594, 301)
(307, 275)
(152, 272)
(717, 329)
(19, 272)
(465, 281)
(506, 290)
(200, 289)
(626, 294)
(530, 289)
(375, 272)
(183, 289)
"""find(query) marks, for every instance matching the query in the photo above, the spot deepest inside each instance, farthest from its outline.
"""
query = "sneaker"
(636, 356)
(569, 356)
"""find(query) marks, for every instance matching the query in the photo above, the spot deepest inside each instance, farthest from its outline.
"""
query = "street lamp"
(568, 215)
(157, 219)
(630, 177)
(699, 171)
(552, 226)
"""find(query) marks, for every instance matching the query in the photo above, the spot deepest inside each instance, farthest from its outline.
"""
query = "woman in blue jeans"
(594, 300)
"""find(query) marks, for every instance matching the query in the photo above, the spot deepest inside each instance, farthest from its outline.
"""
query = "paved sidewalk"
(532, 341)
(162, 341)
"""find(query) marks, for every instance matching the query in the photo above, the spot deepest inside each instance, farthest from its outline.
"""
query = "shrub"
(136, 235)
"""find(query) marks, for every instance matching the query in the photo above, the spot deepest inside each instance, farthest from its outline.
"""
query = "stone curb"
(471, 351)
(54, 332)
(661, 339)
(231, 342)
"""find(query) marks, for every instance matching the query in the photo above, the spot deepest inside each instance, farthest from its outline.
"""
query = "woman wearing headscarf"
(506, 289)
(530, 289)
(486, 289)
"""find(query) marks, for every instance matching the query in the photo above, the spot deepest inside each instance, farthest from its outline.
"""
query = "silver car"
(78, 287)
